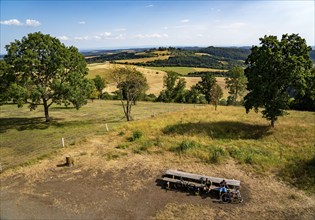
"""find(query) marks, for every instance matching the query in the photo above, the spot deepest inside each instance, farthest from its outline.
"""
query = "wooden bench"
(175, 176)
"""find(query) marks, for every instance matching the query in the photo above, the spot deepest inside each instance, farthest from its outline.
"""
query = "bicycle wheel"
(237, 198)
(191, 188)
(225, 198)
(178, 185)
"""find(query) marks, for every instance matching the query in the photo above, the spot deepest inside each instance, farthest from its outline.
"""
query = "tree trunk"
(46, 110)
(273, 123)
(129, 103)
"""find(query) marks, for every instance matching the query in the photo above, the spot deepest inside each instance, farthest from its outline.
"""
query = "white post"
(106, 127)
(63, 142)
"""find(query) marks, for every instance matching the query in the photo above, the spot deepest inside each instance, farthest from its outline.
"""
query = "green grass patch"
(25, 136)
(217, 155)
(185, 146)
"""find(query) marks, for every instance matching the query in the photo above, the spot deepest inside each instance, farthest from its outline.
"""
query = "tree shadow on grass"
(21, 124)
(220, 130)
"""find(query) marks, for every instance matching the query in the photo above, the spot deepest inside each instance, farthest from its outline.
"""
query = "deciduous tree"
(100, 84)
(236, 83)
(174, 88)
(205, 85)
(276, 70)
(43, 71)
(216, 95)
(131, 84)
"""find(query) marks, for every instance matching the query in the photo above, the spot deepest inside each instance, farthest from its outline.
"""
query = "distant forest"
(209, 57)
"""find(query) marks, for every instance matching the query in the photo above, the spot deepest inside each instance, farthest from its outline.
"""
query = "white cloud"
(149, 6)
(142, 36)
(81, 38)
(185, 21)
(63, 38)
(108, 36)
(119, 37)
(32, 23)
(82, 22)
(15, 22)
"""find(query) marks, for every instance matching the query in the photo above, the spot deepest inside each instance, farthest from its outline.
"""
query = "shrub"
(185, 145)
(217, 154)
(235, 152)
(249, 158)
(121, 133)
(136, 135)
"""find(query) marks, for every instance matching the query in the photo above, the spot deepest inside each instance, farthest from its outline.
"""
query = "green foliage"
(205, 85)
(236, 84)
(306, 100)
(119, 56)
(276, 71)
(136, 135)
(229, 53)
(185, 146)
(6, 78)
(194, 96)
(216, 94)
(100, 84)
(40, 70)
(202, 73)
(188, 58)
(131, 85)
(174, 88)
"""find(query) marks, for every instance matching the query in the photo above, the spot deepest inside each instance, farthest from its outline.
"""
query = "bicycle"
(231, 196)
(185, 186)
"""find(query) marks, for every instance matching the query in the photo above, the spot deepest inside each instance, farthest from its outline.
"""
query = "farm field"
(154, 77)
(115, 174)
(186, 70)
(143, 60)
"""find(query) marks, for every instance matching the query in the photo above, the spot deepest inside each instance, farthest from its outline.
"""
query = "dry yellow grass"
(203, 54)
(199, 69)
(99, 154)
(154, 77)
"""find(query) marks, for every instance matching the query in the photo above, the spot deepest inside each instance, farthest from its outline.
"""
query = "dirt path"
(126, 188)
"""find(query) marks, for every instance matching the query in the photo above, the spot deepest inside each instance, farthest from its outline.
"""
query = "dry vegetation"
(154, 77)
(115, 172)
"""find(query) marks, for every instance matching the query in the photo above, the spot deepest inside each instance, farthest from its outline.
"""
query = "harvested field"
(154, 77)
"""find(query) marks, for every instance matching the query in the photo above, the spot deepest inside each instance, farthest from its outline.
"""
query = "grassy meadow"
(25, 136)
(194, 132)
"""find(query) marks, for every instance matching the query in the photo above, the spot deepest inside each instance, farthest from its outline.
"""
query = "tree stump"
(69, 161)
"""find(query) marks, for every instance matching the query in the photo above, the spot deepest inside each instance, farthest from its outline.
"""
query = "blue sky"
(122, 24)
